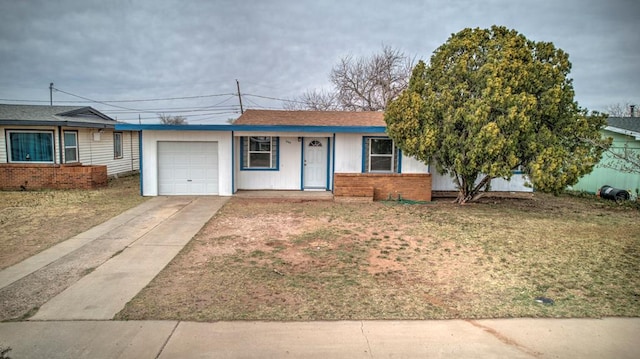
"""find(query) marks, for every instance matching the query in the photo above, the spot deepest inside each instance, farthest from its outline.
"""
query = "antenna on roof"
(51, 94)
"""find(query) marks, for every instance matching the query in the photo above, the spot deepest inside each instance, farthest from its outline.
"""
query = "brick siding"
(27, 176)
(411, 186)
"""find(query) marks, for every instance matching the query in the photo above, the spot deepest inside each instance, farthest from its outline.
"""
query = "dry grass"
(33, 221)
(333, 261)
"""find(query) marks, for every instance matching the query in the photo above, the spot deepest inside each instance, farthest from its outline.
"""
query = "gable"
(69, 116)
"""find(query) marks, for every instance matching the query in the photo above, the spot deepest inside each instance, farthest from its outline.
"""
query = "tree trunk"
(467, 192)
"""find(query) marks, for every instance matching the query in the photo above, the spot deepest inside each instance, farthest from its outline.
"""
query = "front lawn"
(33, 221)
(259, 260)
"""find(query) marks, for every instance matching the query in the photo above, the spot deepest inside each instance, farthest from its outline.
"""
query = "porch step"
(353, 194)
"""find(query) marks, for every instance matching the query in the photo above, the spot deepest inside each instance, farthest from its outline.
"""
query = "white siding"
(349, 152)
(440, 182)
(96, 148)
(349, 155)
(3, 147)
(150, 156)
(287, 177)
(412, 165)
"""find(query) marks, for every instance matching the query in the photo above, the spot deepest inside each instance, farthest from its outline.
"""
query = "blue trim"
(233, 164)
(328, 162)
(398, 158)
(256, 128)
(333, 163)
(302, 164)
(136, 127)
(362, 168)
(140, 162)
(242, 165)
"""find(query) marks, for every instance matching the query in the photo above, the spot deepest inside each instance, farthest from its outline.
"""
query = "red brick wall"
(412, 186)
(27, 176)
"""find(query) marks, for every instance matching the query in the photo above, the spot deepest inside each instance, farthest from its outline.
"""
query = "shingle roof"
(311, 118)
(75, 116)
(625, 123)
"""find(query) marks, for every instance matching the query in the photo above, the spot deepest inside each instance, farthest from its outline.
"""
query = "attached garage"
(187, 168)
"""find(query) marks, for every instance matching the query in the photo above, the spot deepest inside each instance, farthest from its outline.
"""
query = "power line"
(273, 98)
(121, 101)
(177, 109)
(100, 102)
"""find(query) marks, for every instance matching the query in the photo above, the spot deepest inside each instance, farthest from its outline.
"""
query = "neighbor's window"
(70, 146)
(30, 146)
(117, 145)
(380, 155)
(259, 152)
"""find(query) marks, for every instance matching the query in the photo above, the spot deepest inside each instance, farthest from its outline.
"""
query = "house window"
(30, 146)
(259, 152)
(117, 145)
(380, 155)
(70, 146)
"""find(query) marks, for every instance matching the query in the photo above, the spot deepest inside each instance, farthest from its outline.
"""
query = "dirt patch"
(329, 261)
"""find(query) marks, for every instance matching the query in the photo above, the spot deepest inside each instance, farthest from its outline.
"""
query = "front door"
(315, 163)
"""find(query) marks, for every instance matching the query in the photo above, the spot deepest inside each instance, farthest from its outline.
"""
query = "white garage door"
(187, 168)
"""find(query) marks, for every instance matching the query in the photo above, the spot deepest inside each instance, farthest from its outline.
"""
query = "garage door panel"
(186, 168)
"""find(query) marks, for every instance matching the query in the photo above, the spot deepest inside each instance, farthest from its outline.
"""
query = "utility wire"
(100, 102)
(123, 101)
(273, 98)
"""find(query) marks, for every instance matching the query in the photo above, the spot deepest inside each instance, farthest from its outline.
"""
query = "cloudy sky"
(131, 50)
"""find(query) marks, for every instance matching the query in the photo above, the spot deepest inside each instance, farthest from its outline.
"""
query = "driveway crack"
(365, 338)
(168, 338)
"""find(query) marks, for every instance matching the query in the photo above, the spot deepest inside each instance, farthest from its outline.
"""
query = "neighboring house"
(62, 147)
(625, 132)
(348, 153)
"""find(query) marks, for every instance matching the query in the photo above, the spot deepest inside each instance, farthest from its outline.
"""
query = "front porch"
(284, 195)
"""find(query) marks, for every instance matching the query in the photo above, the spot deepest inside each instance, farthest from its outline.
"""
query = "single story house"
(348, 153)
(62, 147)
(625, 132)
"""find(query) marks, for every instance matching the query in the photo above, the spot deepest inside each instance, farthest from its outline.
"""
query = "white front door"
(315, 163)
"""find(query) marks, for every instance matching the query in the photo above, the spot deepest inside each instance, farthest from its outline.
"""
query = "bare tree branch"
(172, 120)
(621, 110)
(314, 100)
(622, 159)
(362, 84)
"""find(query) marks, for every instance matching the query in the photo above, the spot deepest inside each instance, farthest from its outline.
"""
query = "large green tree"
(490, 102)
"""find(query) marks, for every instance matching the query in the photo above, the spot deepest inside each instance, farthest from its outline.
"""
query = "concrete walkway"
(123, 255)
(507, 338)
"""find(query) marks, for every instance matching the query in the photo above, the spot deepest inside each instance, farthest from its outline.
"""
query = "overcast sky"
(134, 50)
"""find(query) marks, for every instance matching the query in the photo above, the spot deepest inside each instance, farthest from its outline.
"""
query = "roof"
(311, 118)
(39, 115)
(624, 125)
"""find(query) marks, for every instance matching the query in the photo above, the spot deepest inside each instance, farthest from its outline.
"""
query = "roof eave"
(254, 128)
(623, 131)
(56, 123)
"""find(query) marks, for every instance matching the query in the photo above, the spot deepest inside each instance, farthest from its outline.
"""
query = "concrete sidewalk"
(505, 338)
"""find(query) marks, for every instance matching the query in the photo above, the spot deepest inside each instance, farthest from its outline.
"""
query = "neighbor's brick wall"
(412, 186)
(27, 176)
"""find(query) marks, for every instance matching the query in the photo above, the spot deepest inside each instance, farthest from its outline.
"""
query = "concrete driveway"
(121, 256)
